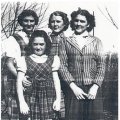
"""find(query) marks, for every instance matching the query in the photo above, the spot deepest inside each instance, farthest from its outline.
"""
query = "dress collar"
(84, 35)
(61, 34)
(36, 56)
(39, 59)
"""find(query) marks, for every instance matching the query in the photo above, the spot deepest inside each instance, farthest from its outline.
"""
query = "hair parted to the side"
(64, 17)
(40, 33)
(25, 13)
(90, 18)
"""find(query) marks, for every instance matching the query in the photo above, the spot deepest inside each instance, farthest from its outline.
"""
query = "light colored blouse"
(21, 63)
(12, 47)
(81, 39)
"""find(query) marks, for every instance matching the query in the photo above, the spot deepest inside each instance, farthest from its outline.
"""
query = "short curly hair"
(27, 13)
(40, 33)
(64, 17)
(90, 19)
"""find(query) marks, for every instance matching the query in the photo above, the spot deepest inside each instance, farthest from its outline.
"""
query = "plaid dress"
(41, 94)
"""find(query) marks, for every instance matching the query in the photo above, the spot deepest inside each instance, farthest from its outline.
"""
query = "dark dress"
(41, 95)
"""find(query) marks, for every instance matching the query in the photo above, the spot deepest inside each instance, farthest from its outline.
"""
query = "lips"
(56, 27)
(78, 27)
(38, 50)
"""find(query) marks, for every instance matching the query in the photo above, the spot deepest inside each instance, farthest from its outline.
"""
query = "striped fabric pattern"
(82, 66)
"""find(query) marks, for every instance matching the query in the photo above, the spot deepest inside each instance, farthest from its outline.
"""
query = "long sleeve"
(63, 71)
(100, 60)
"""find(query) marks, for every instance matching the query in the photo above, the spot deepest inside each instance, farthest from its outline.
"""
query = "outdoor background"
(107, 19)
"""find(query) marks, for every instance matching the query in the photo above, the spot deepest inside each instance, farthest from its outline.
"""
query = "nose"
(55, 23)
(38, 47)
(29, 23)
(78, 23)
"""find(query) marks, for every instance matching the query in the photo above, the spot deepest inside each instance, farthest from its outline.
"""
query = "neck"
(38, 55)
(28, 33)
(57, 33)
(78, 33)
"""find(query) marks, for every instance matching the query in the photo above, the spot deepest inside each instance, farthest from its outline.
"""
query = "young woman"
(58, 23)
(42, 98)
(15, 47)
(83, 69)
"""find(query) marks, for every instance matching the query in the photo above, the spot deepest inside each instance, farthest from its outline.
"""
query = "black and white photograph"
(59, 60)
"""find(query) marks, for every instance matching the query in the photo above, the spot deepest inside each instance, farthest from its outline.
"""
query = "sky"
(104, 30)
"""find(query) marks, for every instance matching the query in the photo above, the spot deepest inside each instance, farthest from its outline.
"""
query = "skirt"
(41, 101)
(83, 109)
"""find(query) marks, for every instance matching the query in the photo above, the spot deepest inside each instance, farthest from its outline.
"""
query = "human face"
(80, 24)
(57, 24)
(39, 46)
(28, 24)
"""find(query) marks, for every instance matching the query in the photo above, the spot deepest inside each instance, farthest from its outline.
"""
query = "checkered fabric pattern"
(43, 91)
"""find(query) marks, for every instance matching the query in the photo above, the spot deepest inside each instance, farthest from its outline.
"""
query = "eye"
(58, 21)
(35, 44)
(76, 20)
(82, 21)
(42, 44)
(32, 21)
(25, 20)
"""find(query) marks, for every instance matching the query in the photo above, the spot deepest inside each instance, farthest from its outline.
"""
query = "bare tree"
(10, 12)
(109, 17)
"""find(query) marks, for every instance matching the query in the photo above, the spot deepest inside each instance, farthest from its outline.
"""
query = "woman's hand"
(79, 93)
(56, 105)
(24, 109)
(93, 92)
(26, 82)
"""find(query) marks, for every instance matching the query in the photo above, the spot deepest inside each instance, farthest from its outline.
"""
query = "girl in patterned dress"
(41, 100)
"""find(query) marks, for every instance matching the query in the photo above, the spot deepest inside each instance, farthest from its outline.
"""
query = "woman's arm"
(10, 64)
(56, 105)
(23, 105)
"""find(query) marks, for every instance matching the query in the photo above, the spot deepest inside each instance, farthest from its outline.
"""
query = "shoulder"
(11, 41)
(22, 35)
(95, 39)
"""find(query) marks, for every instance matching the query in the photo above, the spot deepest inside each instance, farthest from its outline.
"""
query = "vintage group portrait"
(59, 60)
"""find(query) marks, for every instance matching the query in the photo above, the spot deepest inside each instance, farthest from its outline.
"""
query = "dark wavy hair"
(64, 17)
(90, 18)
(27, 13)
(39, 33)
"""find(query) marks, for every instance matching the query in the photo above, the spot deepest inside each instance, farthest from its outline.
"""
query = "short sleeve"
(21, 64)
(12, 48)
(56, 63)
